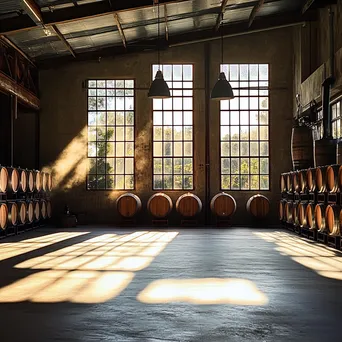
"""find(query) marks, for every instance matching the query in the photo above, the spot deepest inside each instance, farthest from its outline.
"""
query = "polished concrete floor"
(102, 284)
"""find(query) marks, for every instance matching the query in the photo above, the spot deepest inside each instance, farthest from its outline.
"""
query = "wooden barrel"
(13, 214)
(301, 147)
(320, 217)
(295, 181)
(3, 179)
(295, 217)
(43, 209)
(30, 177)
(289, 179)
(289, 212)
(283, 185)
(189, 205)
(23, 180)
(332, 219)
(3, 216)
(159, 205)
(30, 211)
(325, 152)
(13, 180)
(128, 205)
(223, 205)
(321, 178)
(22, 205)
(302, 182)
(49, 182)
(48, 209)
(339, 152)
(301, 213)
(44, 179)
(311, 179)
(310, 216)
(258, 206)
(332, 175)
(282, 210)
(36, 211)
(37, 180)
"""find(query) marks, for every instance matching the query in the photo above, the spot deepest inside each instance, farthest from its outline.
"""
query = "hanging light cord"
(158, 38)
(222, 40)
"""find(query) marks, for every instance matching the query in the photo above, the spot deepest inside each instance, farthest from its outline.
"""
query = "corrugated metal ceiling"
(98, 32)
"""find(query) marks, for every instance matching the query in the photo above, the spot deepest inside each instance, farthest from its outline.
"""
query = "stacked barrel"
(24, 198)
(311, 201)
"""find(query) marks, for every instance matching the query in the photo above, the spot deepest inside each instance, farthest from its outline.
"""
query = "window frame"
(134, 133)
(172, 141)
(239, 156)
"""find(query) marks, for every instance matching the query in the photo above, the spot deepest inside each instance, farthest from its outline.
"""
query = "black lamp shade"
(159, 88)
(222, 89)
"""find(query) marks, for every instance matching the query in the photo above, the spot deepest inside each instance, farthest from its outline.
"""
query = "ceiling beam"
(309, 4)
(166, 23)
(254, 12)
(32, 10)
(62, 38)
(121, 32)
(74, 13)
(220, 15)
(264, 24)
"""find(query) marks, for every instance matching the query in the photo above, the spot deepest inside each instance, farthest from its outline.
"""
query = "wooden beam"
(219, 16)
(62, 38)
(121, 32)
(9, 86)
(33, 10)
(254, 12)
(166, 23)
(75, 13)
(309, 4)
(15, 47)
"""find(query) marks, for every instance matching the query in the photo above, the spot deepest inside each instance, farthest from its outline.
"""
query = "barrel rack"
(301, 188)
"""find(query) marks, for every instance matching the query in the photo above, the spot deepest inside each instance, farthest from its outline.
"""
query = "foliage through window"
(244, 123)
(110, 134)
(173, 130)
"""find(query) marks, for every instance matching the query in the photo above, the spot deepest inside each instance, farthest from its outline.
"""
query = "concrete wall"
(64, 117)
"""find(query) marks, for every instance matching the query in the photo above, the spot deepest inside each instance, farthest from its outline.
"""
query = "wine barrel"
(3, 216)
(283, 185)
(302, 182)
(295, 218)
(339, 152)
(44, 178)
(310, 216)
(301, 147)
(320, 217)
(37, 180)
(321, 178)
(258, 206)
(30, 211)
(159, 205)
(324, 152)
(30, 177)
(282, 210)
(302, 214)
(13, 214)
(289, 212)
(23, 180)
(22, 212)
(13, 180)
(295, 181)
(189, 205)
(36, 211)
(49, 182)
(3, 179)
(48, 209)
(223, 205)
(333, 174)
(332, 219)
(128, 205)
(289, 179)
(43, 209)
(311, 179)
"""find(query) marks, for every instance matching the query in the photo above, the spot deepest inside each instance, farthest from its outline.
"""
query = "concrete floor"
(278, 275)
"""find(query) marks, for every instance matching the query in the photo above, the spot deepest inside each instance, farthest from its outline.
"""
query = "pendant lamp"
(159, 88)
(222, 89)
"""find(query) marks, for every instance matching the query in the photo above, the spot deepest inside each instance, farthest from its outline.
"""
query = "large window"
(111, 134)
(336, 116)
(244, 124)
(173, 130)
